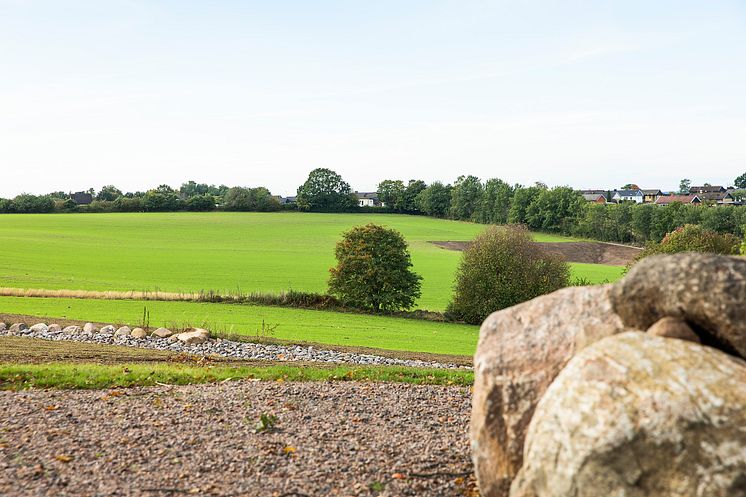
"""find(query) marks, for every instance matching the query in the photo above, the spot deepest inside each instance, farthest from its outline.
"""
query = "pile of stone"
(191, 336)
(199, 342)
(633, 389)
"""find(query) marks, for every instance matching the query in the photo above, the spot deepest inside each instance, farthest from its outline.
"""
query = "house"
(684, 199)
(635, 196)
(286, 200)
(597, 198)
(706, 189)
(712, 193)
(593, 196)
(368, 199)
(650, 196)
(82, 198)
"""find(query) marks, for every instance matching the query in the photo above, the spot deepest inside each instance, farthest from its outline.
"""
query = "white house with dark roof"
(635, 196)
(368, 199)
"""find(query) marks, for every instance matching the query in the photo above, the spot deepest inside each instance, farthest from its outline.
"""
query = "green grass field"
(336, 328)
(596, 273)
(221, 251)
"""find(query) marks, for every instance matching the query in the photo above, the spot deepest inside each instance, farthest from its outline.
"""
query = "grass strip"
(61, 375)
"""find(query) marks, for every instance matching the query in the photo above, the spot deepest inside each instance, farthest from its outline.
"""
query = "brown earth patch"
(610, 254)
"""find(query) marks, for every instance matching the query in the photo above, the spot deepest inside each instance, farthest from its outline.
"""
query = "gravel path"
(329, 439)
(237, 350)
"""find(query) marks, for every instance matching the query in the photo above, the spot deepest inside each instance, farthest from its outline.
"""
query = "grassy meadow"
(335, 328)
(222, 251)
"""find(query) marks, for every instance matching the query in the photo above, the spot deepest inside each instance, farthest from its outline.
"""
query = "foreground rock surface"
(330, 439)
(637, 415)
(521, 350)
(707, 291)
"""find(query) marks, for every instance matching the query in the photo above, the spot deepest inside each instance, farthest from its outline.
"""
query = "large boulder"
(162, 333)
(72, 330)
(194, 336)
(109, 329)
(521, 350)
(123, 331)
(707, 291)
(54, 328)
(90, 328)
(3, 326)
(638, 415)
(18, 328)
(139, 333)
(39, 328)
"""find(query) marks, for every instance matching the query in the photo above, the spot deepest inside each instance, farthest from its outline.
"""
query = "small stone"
(89, 328)
(138, 333)
(123, 331)
(163, 333)
(18, 327)
(674, 328)
(54, 328)
(108, 329)
(72, 330)
(39, 328)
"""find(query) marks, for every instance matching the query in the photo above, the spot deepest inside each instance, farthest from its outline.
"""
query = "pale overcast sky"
(592, 94)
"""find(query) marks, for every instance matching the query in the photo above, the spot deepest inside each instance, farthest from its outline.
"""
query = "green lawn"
(360, 330)
(596, 273)
(222, 251)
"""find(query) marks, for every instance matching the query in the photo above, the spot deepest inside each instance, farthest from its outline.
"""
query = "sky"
(591, 94)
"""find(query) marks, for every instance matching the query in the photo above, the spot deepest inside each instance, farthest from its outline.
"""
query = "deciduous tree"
(325, 190)
(373, 270)
(503, 267)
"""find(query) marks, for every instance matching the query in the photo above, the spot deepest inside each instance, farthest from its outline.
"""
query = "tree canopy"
(373, 270)
(325, 190)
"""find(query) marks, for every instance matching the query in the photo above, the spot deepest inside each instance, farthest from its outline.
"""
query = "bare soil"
(585, 252)
(328, 439)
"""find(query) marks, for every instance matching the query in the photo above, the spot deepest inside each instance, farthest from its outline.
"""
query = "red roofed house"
(684, 199)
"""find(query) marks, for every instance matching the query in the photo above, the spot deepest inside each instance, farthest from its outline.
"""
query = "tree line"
(191, 196)
(560, 210)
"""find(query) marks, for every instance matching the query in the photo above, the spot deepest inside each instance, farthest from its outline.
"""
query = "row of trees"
(191, 196)
(555, 210)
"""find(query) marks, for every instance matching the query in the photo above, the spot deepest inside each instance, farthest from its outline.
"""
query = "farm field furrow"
(222, 251)
(335, 328)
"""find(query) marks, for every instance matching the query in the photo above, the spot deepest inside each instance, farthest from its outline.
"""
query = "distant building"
(684, 199)
(650, 196)
(598, 198)
(712, 193)
(635, 196)
(82, 198)
(368, 199)
(286, 200)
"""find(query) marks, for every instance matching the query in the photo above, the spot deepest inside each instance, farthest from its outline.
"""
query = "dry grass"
(110, 295)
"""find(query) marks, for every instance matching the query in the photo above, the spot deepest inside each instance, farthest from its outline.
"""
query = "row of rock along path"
(200, 343)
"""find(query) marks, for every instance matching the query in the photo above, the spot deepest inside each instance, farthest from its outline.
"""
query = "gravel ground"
(329, 439)
(237, 350)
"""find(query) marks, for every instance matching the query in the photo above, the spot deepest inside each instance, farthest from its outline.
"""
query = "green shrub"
(692, 238)
(503, 267)
(374, 270)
